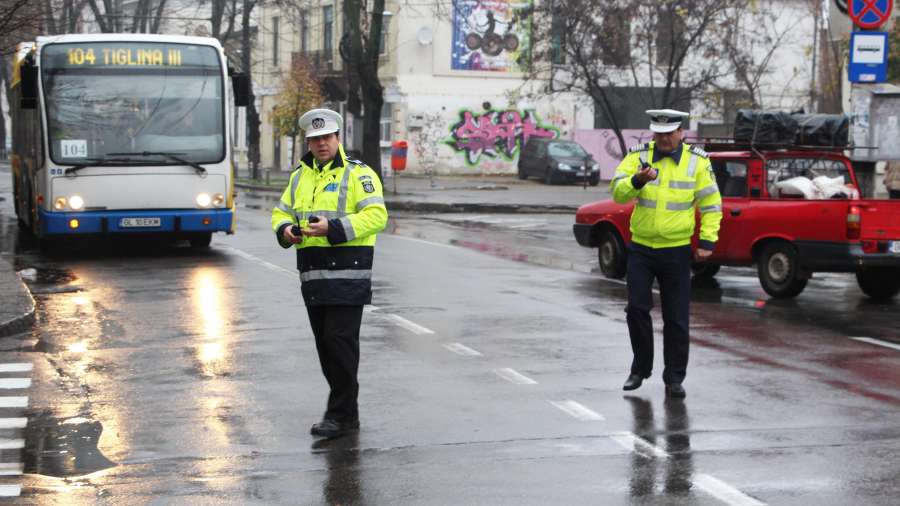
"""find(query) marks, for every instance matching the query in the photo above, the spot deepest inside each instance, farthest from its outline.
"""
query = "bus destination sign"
(128, 55)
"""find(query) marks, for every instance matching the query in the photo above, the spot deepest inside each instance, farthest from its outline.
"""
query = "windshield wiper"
(199, 168)
(94, 162)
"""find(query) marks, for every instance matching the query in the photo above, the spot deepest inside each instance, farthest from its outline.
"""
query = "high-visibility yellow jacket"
(665, 210)
(336, 269)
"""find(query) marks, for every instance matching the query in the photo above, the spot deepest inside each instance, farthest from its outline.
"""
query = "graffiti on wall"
(496, 133)
(429, 139)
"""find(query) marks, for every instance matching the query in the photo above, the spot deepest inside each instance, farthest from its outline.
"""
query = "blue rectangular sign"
(868, 57)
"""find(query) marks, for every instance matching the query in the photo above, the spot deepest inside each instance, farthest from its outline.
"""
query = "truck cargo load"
(765, 127)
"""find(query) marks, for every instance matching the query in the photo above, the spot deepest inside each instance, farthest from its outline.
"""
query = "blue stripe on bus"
(92, 222)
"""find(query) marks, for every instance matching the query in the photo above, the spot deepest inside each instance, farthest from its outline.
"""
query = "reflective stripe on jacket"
(336, 269)
(664, 210)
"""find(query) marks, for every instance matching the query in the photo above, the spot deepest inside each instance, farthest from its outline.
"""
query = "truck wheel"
(879, 283)
(613, 256)
(778, 268)
(201, 240)
(705, 270)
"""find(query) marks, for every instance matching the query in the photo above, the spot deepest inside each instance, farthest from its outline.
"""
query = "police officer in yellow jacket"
(669, 181)
(331, 211)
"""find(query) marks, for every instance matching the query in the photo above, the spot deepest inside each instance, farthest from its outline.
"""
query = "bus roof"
(127, 37)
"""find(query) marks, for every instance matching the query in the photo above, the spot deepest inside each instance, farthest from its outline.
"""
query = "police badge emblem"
(318, 123)
(368, 186)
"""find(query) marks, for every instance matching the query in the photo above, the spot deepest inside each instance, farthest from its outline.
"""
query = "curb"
(431, 207)
(14, 293)
(434, 207)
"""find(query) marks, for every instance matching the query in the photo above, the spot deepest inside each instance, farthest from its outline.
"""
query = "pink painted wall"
(604, 145)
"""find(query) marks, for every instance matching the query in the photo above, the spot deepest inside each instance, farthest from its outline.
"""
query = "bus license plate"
(138, 222)
(895, 246)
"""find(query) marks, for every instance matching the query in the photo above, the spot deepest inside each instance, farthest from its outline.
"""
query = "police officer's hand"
(701, 254)
(317, 229)
(291, 238)
(646, 174)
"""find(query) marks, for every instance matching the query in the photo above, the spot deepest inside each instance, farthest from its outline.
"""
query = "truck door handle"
(735, 212)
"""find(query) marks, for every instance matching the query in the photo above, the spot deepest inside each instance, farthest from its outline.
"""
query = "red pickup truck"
(789, 230)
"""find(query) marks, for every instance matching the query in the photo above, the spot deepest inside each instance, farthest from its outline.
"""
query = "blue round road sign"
(870, 13)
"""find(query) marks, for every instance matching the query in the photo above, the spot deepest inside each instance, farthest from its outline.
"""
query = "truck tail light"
(854, 222)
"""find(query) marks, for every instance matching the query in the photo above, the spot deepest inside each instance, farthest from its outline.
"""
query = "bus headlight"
(218, 199)
(76, 203)
(60, 203)
(203, 200)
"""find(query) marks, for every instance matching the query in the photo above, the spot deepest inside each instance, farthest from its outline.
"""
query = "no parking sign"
(870, 13)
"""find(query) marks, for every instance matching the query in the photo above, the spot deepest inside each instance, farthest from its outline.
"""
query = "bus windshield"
(109, 100)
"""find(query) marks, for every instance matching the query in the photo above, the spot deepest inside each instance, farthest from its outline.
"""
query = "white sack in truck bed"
(820, 188)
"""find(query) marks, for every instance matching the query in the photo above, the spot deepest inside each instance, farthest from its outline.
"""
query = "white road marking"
(13, 423)
(514, 377)
(12, 444)
(13, 402)
(16, 367)
(424, 241)
(878, 342)
(637, 444)
(462, 350)
(260, 261)
(11, 468)
(15, 382)
(724, 492)
(403, 322)
(10, 490)
(579, 411)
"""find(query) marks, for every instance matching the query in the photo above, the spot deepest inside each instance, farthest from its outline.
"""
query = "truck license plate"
(138, 222)
(895, 246)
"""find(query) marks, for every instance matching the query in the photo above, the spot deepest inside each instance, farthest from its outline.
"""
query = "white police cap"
(320, 122)
(665, 120)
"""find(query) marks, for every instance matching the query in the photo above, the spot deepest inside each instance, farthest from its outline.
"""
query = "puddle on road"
(63, 447)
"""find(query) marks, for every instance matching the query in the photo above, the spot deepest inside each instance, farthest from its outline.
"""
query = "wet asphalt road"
(492, 365)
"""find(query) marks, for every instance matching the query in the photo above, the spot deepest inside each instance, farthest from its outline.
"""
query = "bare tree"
(666, 51)
(363, 56)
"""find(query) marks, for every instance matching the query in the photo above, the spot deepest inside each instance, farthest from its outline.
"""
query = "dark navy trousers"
(336, 329)
(672, 268)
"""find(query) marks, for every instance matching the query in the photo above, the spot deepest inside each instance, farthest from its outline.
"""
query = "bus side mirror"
(240, 84)
(29, 84)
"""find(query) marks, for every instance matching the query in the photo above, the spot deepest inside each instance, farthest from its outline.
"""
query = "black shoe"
(329, 428)
(675, 390)
(634, 382)
(353, 424)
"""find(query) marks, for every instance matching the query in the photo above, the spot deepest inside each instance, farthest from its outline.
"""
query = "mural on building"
(429, 139)
(496, 133)
(484, 37)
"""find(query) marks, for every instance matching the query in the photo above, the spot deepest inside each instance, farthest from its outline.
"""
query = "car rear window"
(566, 149)
(781, 169)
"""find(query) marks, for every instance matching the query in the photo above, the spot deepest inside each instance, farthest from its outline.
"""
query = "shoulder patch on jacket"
(699, 152)
(354, 161)
(640, 147)
(363, 178)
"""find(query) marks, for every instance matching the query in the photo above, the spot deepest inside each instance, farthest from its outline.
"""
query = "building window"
(383, 38)
(615, 39)
(387, 120)
(275, 41)
(304, 32)
(328, 28)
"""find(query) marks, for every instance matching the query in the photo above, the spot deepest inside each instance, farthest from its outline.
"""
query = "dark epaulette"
(699, 152)
(640, 147)
(354, 161)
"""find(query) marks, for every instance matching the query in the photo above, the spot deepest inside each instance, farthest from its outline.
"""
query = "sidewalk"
(476, 194)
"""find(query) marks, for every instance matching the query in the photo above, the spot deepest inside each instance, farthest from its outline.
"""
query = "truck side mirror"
(29, 83)
(240, 83)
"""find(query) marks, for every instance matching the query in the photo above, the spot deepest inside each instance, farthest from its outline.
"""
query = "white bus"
(119, 134)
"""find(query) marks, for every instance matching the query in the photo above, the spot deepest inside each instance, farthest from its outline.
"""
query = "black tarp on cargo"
(765, 127)
(823, 129)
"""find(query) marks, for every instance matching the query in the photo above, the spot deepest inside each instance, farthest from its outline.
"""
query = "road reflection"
(677, 462)
(213, 359)
(343, 486)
